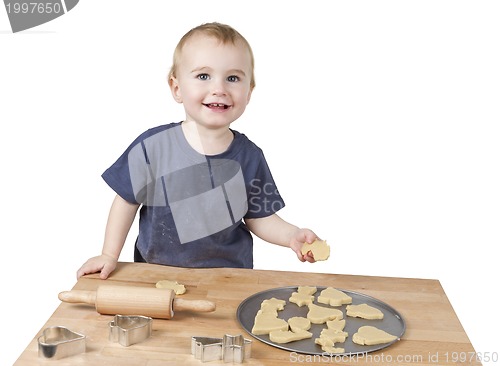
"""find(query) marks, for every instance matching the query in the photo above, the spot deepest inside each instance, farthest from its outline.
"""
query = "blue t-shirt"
(193, 205)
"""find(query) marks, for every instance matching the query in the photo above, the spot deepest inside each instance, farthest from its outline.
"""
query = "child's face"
(212, 81)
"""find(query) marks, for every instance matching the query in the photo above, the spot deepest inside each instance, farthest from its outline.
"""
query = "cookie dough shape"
(268, 322)
(178, 288)
(319, 249)
(301, 299)
(334, 335)
(337, 324)
(328, 349)
(328, 345)
(368, 335)
(266, 319)
(364, 311)
(308, 290)
(273, 302)
(320, 315)
(269, 309)
(329, 336)
(303, 296)
(281, 336)
(298, 323)
(333, 297)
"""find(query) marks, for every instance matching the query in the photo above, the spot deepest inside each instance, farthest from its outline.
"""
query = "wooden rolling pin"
(131, 300)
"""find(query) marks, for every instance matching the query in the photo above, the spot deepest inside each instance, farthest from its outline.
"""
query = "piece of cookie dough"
(299, 323)
(281, 336)
(268, 308)
(328, 338)
(274, 302)
(328, 349)
(303, 295)
(333, 297)
(266, 319)
(328, 345)
(364, 311)
(368, 335)
(320, 315)
(334, 335)
(308, 290)
(301, 299)
(319, 249)
(172, 285)
(337, 324)
(268, 322)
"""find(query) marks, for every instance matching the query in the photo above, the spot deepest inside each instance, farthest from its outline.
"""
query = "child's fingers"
(106, 270)
(310, 236)
(104, 273)
(309, 257)
(299, 255)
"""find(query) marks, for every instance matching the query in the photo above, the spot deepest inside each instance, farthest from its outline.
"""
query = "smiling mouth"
(216, 106)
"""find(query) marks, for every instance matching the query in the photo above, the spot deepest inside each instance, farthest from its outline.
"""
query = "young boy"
(202, 187)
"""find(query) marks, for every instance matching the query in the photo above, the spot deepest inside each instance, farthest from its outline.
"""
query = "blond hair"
(223, 33)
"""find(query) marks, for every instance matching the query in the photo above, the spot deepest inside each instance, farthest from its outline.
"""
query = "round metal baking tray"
(392, 322)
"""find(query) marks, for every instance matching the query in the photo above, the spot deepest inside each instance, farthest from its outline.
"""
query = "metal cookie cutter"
(229, 348)
(236, 348)
(130, 329)
(59, 342)
(206, 348)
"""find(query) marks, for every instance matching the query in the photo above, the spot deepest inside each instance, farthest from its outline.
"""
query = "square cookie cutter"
(59, 342)
(229, 348)
(130, 329)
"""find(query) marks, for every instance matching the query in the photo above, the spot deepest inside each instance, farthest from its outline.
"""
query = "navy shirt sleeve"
(119, 177)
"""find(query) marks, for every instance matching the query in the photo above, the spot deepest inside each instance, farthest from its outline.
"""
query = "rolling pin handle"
(203, 306)
(78, 296)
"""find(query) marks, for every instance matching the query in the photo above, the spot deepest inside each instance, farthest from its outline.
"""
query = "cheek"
(190, 95)
(244, 96)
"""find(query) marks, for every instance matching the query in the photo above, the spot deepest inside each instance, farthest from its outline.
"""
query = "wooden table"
(434, 335)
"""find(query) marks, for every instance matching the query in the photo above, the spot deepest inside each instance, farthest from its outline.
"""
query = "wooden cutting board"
(433, 331)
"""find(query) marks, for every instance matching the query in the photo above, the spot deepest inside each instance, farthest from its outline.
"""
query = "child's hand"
(297, 241)
(103, 263)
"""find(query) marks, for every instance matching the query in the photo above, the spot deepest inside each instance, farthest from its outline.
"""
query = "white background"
(379, 120)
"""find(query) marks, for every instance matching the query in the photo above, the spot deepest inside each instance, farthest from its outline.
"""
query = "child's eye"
(233, 78)
(203, 76)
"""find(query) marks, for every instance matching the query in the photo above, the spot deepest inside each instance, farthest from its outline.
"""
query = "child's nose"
(219, 87)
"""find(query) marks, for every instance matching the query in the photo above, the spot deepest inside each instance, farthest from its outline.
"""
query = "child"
(202, 187)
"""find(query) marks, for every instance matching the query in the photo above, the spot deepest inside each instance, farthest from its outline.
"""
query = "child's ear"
(174, 88)
(249, 95)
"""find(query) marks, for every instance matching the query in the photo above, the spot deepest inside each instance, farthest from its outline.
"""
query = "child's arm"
(120, 219)
(274, 229)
